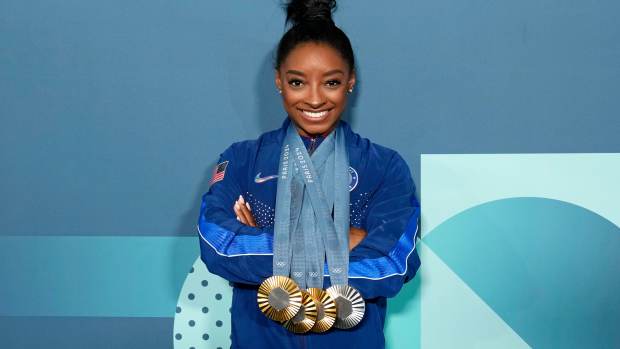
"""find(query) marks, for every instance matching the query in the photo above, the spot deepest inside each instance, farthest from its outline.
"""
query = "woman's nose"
(315, 98)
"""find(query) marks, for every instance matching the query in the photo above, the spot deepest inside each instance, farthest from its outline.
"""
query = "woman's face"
(314, 80)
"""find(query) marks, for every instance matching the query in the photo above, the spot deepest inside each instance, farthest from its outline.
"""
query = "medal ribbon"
(303, 211)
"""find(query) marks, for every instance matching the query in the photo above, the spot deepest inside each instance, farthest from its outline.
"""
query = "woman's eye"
(295, 83)
(333, 83)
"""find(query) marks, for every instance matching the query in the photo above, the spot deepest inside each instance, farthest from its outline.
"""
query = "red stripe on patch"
(219, 172)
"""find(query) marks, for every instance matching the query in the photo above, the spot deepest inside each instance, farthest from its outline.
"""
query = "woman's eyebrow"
(335, 71)
(295, 72)
(300, 73)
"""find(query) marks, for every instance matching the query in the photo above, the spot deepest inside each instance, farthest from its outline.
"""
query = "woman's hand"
(356, 235)
(244, 215)
(244, 212)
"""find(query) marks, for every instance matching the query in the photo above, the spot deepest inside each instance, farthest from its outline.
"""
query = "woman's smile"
(314, 115)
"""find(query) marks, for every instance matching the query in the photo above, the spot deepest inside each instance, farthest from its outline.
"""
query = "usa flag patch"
(219, 172)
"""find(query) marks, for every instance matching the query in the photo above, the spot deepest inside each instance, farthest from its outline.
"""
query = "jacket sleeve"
(387, 257)
(228, 248)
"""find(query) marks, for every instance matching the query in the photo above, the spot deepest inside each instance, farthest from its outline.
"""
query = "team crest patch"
(353, 178)
(218, 172)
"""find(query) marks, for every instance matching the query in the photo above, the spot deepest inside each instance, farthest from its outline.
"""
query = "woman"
(314, 73)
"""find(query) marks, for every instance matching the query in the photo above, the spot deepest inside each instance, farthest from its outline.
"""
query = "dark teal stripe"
(93, 276)
(85, 332)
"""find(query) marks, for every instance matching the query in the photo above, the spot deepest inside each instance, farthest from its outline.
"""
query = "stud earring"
(351, 90)
(280, 91)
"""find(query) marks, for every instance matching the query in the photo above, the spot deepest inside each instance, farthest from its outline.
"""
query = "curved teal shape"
(548, 268)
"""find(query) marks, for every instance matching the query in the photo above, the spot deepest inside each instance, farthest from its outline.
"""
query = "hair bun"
(299, 11)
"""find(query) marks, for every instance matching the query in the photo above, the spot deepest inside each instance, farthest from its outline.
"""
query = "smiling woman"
(321, 248)
(314, 81)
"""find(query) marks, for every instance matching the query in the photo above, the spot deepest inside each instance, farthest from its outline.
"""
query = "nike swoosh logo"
(259, 180)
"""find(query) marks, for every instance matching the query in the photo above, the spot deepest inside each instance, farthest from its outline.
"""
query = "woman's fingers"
(246, 212)
(238, 213)
(356, 235)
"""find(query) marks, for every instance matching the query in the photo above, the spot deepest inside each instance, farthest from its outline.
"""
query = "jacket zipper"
(304, 343)
(312, 146)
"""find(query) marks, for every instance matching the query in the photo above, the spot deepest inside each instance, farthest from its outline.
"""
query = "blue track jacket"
(382, 202)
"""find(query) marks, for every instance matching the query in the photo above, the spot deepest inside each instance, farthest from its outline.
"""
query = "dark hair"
(312, 22)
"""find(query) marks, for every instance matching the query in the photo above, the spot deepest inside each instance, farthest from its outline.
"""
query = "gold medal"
(304, 320)
(279, 298)
(350, 306)
(326, 310)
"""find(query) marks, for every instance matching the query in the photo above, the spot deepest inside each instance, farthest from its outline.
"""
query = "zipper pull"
(312, 145)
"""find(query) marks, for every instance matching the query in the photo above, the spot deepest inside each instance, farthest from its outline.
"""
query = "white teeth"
(315, 115)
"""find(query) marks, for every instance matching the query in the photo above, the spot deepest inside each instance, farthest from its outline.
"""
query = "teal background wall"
(520, 251)
(113, 114)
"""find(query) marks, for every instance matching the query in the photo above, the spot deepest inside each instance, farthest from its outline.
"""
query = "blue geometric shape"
(454, 316)
(403, 319)
(549, 268)
(205, 320)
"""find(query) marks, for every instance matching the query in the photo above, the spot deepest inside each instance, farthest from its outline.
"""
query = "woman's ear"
(278, 80)
(351, 82)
